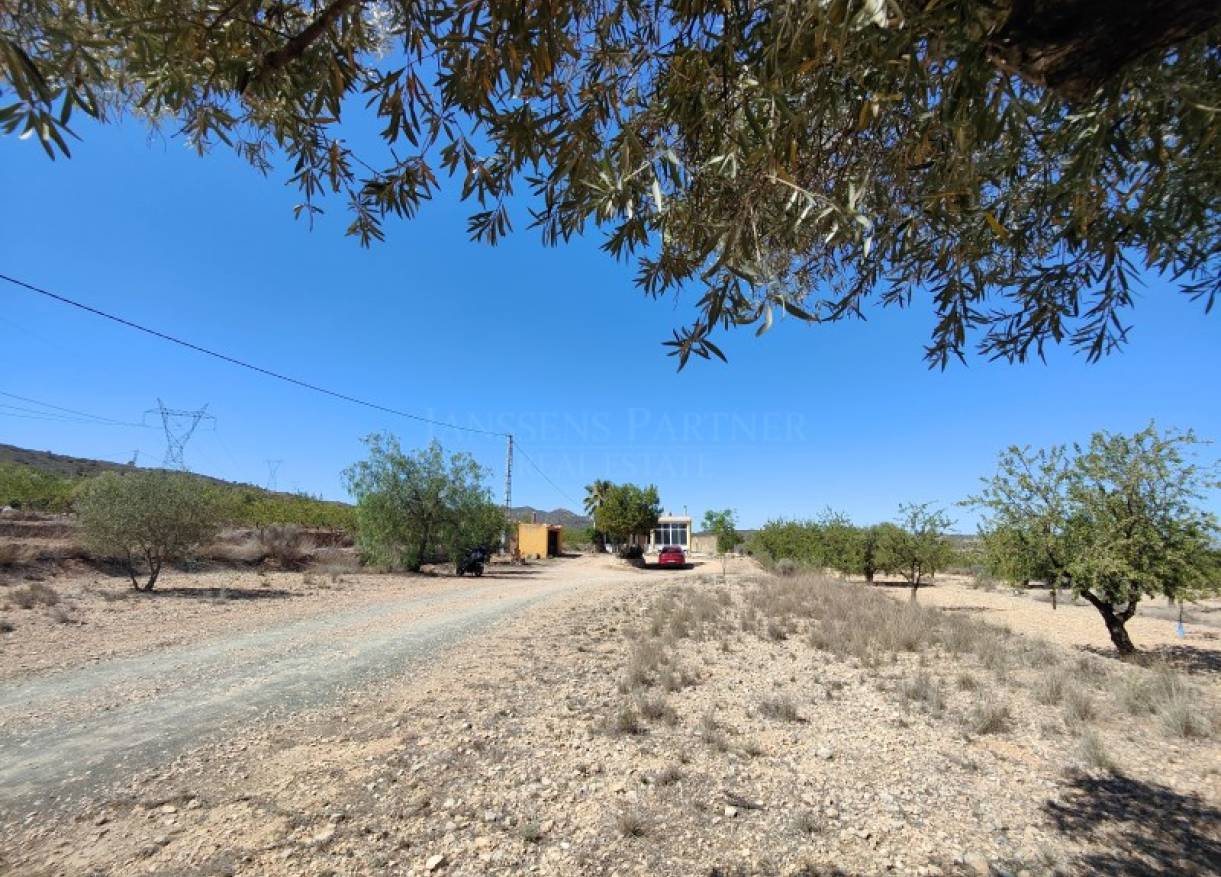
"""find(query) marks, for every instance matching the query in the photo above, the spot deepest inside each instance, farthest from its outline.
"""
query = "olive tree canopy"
(1016, 164)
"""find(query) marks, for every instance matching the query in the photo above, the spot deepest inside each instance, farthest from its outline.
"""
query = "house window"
(670, 533)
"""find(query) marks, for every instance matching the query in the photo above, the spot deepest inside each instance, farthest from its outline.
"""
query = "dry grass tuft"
(33, 594)
(624, 722)
(630, 823)
(925, 690)
(989, 716)
(1079, 707)
(287, 544)
(1094, 754)
(807, 823)
(1049, 688)
(669, 775)
(780, 708)
(655, 709)
(530, 831)
(711, 734)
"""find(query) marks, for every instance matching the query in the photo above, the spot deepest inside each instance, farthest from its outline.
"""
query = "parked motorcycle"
(472, 561)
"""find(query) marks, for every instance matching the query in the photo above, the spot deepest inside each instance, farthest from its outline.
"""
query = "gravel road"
(65, 735)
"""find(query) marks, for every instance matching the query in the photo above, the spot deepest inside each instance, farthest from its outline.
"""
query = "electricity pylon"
(179, 427)
(273, 469)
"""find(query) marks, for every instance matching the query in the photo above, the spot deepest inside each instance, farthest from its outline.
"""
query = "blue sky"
(555, 345)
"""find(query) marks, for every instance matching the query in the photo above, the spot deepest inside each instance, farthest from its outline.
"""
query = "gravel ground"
(505, 747)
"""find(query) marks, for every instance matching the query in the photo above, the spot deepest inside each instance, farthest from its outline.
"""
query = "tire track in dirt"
(97, 723)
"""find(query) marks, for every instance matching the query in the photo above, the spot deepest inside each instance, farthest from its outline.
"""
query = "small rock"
(730, 811)
(435, 862)
(825, 753)
(977, 863)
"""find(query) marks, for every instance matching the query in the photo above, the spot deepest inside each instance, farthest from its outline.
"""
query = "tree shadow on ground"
(1185, 658)
(1138, 829)
(900, 583)
(220, 594)
(498, 573)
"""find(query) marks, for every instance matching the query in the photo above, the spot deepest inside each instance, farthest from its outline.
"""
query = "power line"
(232, 360)
(97, 417)
(526, 457)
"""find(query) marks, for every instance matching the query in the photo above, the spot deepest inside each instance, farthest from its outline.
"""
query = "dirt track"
(65, 734)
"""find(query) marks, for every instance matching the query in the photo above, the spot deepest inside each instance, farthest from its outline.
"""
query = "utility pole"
(179, 426)
(504, 539)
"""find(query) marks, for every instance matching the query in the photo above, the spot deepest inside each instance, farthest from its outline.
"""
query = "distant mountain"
(555, 516)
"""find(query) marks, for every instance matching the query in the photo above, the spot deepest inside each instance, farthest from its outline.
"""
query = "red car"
(671, 555)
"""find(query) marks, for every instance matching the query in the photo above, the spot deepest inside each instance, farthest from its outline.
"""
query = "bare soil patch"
(677, 724)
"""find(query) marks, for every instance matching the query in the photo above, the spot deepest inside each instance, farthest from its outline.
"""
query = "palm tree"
(595, 495)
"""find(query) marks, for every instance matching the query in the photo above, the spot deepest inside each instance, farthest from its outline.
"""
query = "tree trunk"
(1055, 594)
(869, 572)
(154, 570)
(131, 572)
(1074, 47)
(1115, 622)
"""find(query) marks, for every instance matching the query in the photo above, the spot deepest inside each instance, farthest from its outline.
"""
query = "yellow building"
(539, 540)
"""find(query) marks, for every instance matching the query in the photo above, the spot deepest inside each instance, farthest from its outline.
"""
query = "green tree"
(1123, 516)
(150, 515)
(29, 488)
(1010, 162)
(1027, 533)
(414, 506)
(1137, 524)
(877, 543)
(723, 524)
(595, 495)
(917, 547)
(627, 511)
(843, 545)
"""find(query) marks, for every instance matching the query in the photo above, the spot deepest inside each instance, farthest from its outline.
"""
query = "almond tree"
(1026, 535)
(1015, 164)
(917, 547)
(1116, 521)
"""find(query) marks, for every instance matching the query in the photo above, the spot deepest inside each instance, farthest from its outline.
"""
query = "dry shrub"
(785, 567)
(60, 615)
(249, 550)
(1079, 708)
(33, 594)
(1049, 688)
(1094, 754)
(625, 721)
(989, 716)
(966, 682)
(655, 709)
(16, 554)
(644, 664)
(630, 823)
(924, 690)
(780, 708)
(6, 626)
(530, 831)
(710, 733)
(287, 544)
(668, 775)
(807, 823)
